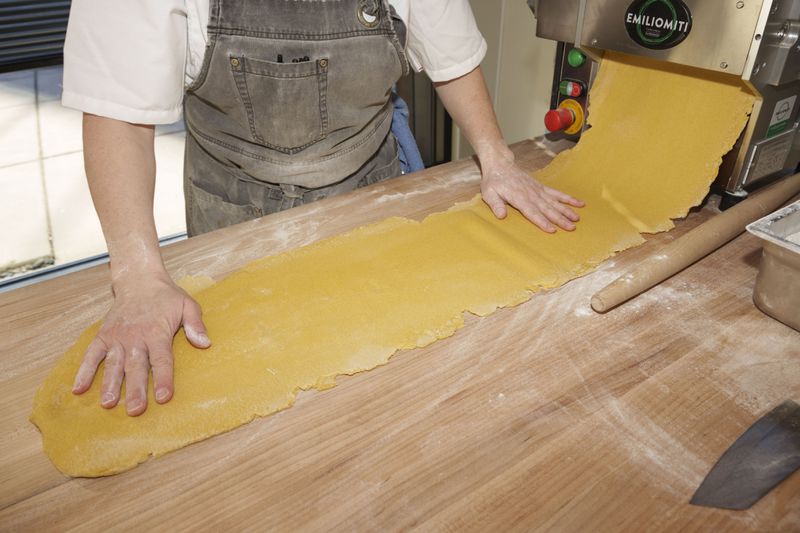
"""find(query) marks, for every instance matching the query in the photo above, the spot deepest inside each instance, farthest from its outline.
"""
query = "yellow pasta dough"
(345, 304)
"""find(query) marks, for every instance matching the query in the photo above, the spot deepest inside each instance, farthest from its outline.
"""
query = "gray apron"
(292, 104)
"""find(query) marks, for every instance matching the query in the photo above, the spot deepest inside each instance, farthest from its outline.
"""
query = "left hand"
(504, 183)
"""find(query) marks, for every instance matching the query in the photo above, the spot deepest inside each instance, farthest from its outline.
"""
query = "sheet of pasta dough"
(345, 304)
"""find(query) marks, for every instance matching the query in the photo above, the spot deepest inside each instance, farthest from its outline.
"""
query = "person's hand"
(504, 183)
(137, 336)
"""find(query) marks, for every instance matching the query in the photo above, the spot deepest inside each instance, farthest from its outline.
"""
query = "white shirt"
(132, 59)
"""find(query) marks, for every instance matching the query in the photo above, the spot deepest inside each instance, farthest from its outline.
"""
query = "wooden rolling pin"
(695, 245)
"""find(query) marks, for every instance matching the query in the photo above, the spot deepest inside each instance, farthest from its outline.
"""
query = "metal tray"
(777, 289)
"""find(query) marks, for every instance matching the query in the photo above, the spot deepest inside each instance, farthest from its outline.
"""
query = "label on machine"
(658, 24)
(781, 116)
(769, 156)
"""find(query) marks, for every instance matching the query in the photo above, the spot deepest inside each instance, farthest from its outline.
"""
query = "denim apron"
(292, 104)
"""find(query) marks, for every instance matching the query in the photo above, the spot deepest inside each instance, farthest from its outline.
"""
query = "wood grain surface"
(545, 416)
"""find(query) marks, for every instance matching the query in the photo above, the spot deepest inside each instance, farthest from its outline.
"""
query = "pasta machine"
(756, 40)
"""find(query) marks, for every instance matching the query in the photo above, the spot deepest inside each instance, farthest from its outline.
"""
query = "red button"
(559, 119)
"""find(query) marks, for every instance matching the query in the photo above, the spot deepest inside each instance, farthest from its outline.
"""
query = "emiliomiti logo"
(658, 24)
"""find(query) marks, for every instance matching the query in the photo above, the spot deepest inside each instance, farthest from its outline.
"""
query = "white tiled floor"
(19, 142)
(74, 224)
(23, 217)
(60, 128)
(169, 204)
(45, 207)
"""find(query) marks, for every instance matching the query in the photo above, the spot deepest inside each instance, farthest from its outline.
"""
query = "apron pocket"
(285, 102)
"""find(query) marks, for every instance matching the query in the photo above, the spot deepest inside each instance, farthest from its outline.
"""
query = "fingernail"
(196, 337)
(162, 394)
(134, 405)
(77, 384)
(107, 398)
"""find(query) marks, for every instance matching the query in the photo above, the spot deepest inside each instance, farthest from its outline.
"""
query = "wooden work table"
(542, 416)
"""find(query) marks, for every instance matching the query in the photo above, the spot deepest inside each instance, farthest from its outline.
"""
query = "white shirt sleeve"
(125, 59)
(443, 38)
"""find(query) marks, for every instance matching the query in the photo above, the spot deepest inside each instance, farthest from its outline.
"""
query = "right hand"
(504, 183)
(136, 336)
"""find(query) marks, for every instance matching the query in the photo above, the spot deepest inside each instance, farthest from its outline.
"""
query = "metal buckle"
(295, 192)
(369, 18)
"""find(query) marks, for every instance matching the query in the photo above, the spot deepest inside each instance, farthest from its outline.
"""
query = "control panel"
(574, 72)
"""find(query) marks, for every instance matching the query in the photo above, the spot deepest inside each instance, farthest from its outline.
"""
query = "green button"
(576, 58)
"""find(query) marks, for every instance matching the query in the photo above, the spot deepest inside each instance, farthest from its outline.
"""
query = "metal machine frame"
(756, 40)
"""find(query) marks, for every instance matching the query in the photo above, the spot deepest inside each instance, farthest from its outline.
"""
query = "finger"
(193, 325)
(564, 197)
(495, 203)
(95, 353)
(559, 220)
(567, 212)
(536, 216)
(552, 214)
(112, 376)
(161, 365)
(137, 370)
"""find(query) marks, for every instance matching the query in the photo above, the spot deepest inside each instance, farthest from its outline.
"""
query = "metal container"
(777, 289)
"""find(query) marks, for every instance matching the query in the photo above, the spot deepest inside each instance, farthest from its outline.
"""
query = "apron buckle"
(368, 13)
(294, 192)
